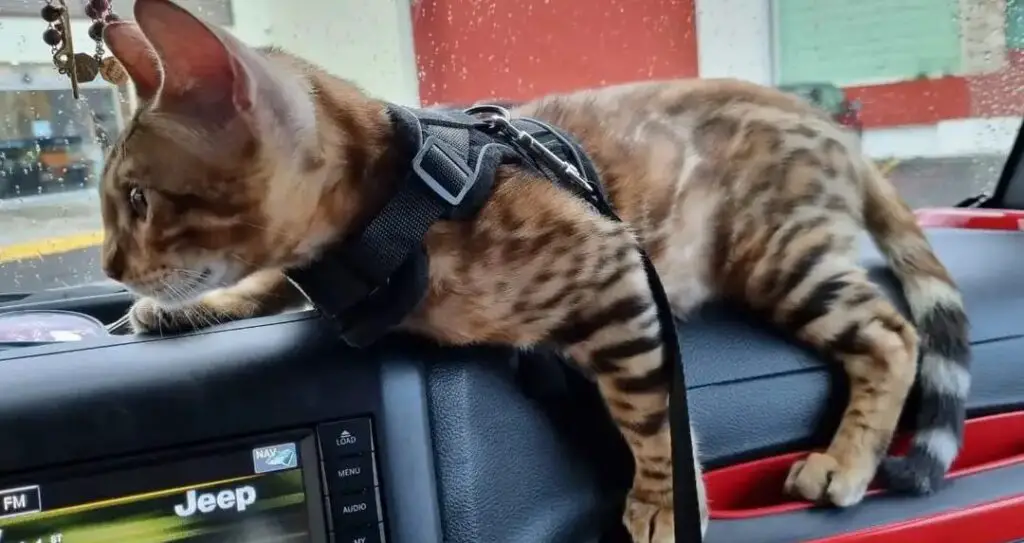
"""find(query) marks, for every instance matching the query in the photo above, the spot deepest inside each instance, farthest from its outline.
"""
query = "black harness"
(367, 283)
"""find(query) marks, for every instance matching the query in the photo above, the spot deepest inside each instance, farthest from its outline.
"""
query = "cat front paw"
(649, 522)
(147, 316)
(653, 520)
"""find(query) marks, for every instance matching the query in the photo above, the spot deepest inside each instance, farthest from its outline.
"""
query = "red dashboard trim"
(754, 489)
(971, 218)
(1000, 521)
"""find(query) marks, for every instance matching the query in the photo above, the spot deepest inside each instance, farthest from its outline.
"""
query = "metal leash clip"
(487, 113)
(499, 119)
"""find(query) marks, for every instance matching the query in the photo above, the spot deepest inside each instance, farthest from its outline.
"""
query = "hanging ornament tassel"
(113, 72)
(101, 13)
(81, 67)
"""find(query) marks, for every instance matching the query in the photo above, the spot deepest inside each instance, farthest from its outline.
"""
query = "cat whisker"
(286, 234)
(242, 260)
(199, 314)
(176, 292)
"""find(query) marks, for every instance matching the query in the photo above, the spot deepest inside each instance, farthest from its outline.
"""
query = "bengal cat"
(240, 162)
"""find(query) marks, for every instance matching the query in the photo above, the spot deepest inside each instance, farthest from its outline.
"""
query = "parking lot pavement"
(64, 269)
(945, 181)
(38, 226)
(51, 241)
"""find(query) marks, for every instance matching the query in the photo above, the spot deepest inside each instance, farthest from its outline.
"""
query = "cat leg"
(836, 309)
(617, 338)
(265, 292)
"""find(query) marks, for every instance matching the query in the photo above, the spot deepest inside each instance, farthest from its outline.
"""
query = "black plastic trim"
(62, 294)
(106, 301)
(115, 392)
(1011, 179)
(413, 511)
(79, 403)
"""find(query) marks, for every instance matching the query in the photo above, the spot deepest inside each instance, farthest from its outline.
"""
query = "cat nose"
(114, 263)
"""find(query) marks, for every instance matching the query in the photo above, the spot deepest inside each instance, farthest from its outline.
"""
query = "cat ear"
(129, 45)
(201, 68)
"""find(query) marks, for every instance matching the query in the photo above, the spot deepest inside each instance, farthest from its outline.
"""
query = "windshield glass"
(933, 86)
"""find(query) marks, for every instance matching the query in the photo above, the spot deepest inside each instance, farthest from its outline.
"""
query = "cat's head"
(221, 169)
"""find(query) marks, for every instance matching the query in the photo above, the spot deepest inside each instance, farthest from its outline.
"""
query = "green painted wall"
(1015, 24)
(851, 41)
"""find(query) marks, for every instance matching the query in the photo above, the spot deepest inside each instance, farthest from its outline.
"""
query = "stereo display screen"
(252, 495)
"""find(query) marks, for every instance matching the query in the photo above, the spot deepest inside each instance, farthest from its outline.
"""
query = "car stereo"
(306, 486)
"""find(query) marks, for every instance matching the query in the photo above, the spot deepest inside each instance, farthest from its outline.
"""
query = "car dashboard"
(274, 426)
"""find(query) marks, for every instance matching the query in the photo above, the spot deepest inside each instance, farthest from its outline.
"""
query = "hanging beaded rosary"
(81, 67)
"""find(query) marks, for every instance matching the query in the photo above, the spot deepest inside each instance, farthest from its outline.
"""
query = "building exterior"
(935, 78)
(52, 143)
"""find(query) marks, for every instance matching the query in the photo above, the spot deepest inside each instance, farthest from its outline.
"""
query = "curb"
(889, 165)
(49, 246)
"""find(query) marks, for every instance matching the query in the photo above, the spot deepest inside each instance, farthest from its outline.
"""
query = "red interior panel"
(754, 489)
(975, 219)
(994, 522)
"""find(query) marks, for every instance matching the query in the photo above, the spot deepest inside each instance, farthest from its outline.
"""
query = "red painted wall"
(515, 49)
(928, 101)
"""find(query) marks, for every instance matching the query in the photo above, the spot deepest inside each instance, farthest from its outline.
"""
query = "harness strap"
(368, 283)
(383, 271)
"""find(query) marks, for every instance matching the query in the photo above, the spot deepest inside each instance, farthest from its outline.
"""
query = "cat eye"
(137, 199)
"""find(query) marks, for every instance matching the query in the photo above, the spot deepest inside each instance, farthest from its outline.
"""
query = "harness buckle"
(436, 160)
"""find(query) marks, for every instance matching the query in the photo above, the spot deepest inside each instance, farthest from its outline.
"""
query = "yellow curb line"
(889, 166)
(50, 246)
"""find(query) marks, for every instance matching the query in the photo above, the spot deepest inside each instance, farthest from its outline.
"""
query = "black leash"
(684, 475)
